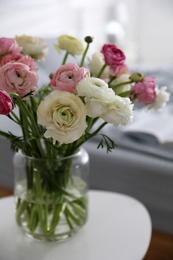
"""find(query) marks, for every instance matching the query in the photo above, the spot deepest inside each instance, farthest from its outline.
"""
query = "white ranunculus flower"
(123, 88)
(101, 101)
(69, 44)
(64, 116)
(36, 47)
(162, 97)
(95, 90)
(93, 87)
(96, 63)
(119, 112)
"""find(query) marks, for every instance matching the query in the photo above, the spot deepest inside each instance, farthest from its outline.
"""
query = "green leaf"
(108, 142)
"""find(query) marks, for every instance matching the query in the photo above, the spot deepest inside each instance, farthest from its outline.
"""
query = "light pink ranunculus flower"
(6, 104)
(25, 59)
(10, 58)
(113, 55)
(9, 46)
(119, 70)
(30, 62)
(67, 77)
(145, 90)
(17, 77)
(162, 97)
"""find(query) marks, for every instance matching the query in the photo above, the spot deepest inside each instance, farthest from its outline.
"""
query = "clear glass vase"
(51, 196)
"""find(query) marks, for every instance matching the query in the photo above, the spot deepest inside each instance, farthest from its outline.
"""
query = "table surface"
(119, 227)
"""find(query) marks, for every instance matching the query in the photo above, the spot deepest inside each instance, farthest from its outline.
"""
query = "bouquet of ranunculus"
(57, 119)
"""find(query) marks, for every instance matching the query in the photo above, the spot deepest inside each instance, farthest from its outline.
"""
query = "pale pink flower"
(9, 46)
(162, 97)
(10, 58)
(6, 104)
(113, 55)
(17, 77)
(145, 90)
(25, 59)
(67, 77)
(30, 62)
(119, 70)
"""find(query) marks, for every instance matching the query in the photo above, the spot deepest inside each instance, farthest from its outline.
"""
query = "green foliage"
(108, 142)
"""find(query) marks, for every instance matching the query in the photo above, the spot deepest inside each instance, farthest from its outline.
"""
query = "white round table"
(118, 228)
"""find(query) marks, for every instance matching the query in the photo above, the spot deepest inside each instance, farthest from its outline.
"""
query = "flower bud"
(137, 77)
(88, 39)
(6, 103)
(69, 44)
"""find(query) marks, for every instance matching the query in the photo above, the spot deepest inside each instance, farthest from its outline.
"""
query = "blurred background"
(141, 28)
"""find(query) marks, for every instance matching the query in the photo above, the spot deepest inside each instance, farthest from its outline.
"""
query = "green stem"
(110, 81)
(121, 84)
(69, 221)
(90, 135)
(28, 123)
(91, 122)
(15, 119)
(125, 94)
(43, 92)
(101, 71)
(59, 210)
(22, 206)
(65, 58)
(79, 211)
(4, 134)
(39, 196)
(84, 55)
(24, 130)
(38, 185)
(73, 216)
(98, 130)
(33, 219)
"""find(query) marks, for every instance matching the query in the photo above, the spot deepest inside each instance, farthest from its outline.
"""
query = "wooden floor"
(161, 246)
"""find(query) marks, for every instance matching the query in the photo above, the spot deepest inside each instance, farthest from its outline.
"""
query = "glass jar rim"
(61, 158)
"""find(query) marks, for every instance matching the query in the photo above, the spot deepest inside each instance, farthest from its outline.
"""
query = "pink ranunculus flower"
(10, 58)
(30, 62)
(6, 104)
(145, 90)
(17, 77)
(113, 55)
(25, 59)
(67, 77)
(9, 46)
(162, 97)
(118, 71)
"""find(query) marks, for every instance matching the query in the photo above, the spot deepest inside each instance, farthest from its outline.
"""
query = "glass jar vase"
(51, 196)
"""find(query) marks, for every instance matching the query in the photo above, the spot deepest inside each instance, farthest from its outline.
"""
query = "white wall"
(144, 29)
(155, 37)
